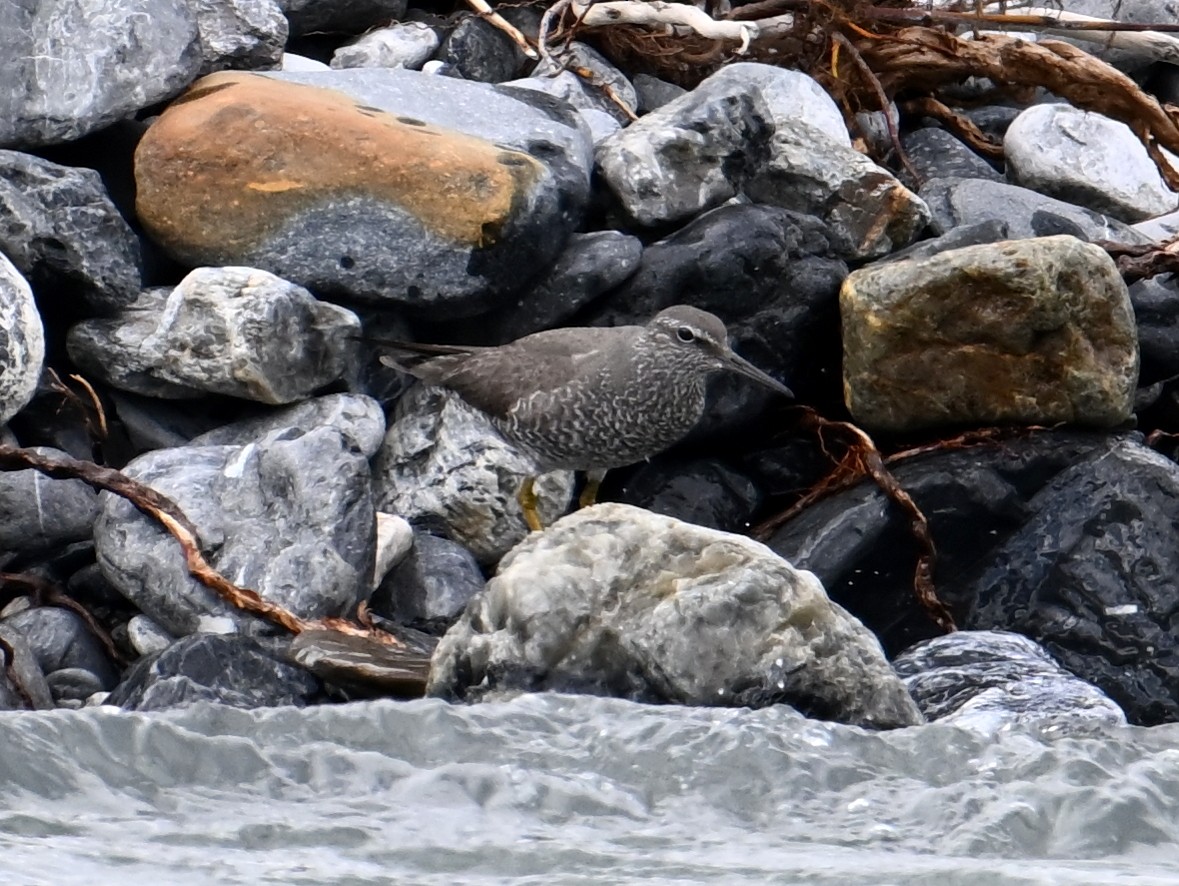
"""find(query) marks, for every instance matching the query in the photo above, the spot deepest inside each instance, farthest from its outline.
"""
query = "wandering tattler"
(587, 398)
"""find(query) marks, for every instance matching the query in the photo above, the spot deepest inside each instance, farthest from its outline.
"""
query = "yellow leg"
(589, 492)
(527, 499)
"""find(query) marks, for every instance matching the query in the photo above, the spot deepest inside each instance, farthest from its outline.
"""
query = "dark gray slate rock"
(444, 461)
(74, 66)
(1091, 575)
(614, 600)
(40, 514)
(653, 93)
(230, 670)
(968, 201)
(993, 681)
(151, 423)
(1156, 314)
(63, 233)
(340, 16)
(861, 547)
(405, 45)
(431, 586)
(592, 264)
(240, 34)
(289, 516)
(22, 341)
(60, 639)
(705, 492)
(1088, 159)
(357, 417)
(480, 51)
(935, 153)
(240, 332)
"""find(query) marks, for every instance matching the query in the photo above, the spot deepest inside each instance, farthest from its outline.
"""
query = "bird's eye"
(685, 334)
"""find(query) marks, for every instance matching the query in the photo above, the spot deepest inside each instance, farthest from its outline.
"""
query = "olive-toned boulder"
(341, 197)
(1029, 331)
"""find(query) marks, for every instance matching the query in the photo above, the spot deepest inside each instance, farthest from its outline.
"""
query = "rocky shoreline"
(203, 233)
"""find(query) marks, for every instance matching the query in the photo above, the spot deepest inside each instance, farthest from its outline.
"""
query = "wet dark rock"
(614, 600)
(1156, 314)
(63, 233)
(705, 492)
(994, 680)
(289, 515)
(861, 548)
(226, 669)
(653, 93)
(431, 585)
(39, 514)
(60, 640)
(479, 50)
(340, 16)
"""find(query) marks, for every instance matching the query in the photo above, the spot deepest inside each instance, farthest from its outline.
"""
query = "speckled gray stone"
(22, 341)
(240, 34)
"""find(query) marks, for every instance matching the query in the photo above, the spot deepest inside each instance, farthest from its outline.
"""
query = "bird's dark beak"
(747, 369)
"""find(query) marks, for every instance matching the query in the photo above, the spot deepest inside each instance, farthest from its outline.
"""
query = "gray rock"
(869, 212)
(993, 681)
(151, 423)
(600, 124)
(73, 685)
(614, 600)
(71, 67)
(432, 585)
(556, 78)
(229, 670)
(22, 341)
(340, 16)
(357, 417)
(690, 155)
(406, 45)
(22, 683)
(38, 513)
(289, 516)
(442, 460)
(958, 201)
(240, 34)
(791, 97)
(1023, 331)
(1142, 12)
(1164, 227)
(1087, 159)
(146, 637)
(935, 153)
(63, 233)
(479, 51)
(241, 332)
(653, 93)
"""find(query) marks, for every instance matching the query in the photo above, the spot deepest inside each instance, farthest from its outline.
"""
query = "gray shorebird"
(587, 398)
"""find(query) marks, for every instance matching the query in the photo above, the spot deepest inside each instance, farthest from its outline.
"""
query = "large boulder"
(1031, 331)
(615, 600)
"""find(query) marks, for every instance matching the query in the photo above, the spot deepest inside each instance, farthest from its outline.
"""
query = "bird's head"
(701, 341)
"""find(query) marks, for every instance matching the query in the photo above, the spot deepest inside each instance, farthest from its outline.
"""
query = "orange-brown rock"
(307, 183)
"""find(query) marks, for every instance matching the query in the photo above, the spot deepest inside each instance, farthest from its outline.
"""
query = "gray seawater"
(560, 789)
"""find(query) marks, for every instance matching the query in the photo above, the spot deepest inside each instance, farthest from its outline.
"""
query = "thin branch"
(482, 7)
